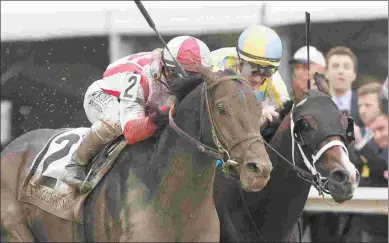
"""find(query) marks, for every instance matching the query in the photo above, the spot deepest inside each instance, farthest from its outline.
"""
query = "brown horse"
(159, 189)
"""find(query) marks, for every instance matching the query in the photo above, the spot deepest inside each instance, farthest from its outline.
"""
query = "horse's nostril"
(340, 176)
(252, 167)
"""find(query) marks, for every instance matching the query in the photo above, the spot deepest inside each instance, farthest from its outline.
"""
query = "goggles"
(259, 70)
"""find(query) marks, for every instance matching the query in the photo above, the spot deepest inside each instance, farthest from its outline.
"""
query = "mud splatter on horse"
(160, 189)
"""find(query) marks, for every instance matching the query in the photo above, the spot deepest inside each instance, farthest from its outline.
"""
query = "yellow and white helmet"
(260, 45)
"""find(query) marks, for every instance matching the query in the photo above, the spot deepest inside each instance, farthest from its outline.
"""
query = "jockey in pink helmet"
(132, 88)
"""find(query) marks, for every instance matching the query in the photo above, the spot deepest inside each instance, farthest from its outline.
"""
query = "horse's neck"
(283, 199)
(282, 139)
(184, 178)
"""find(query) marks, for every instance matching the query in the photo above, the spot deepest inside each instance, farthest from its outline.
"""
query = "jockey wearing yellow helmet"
(256, 57)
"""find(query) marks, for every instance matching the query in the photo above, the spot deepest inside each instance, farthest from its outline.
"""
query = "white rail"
(366, 200)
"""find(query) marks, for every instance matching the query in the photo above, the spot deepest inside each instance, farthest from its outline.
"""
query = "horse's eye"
(309, 122)
(305, 125)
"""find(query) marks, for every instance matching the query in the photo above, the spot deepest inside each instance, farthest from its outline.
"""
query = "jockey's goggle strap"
(259, 70)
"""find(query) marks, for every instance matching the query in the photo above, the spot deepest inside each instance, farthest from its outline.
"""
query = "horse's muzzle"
(255, 175)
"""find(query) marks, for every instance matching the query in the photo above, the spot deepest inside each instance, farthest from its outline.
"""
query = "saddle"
(43, 186)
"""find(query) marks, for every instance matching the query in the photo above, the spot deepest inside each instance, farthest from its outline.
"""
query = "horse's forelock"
(286, 108)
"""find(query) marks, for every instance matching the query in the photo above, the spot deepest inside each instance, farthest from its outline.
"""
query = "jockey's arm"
(276, 95)
(136, 126)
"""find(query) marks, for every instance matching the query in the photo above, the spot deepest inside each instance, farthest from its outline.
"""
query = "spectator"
(300, 67)
(341, 72)
(374, 228)
(379, 126)
(368, 108)
(372, 160)
(368, 102)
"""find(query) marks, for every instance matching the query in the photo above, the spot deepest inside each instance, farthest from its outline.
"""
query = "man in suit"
(341, 72)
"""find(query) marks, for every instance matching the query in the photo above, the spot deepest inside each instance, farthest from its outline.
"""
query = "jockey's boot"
(99, 135)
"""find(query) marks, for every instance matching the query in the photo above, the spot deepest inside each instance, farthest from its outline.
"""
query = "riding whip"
(307, 36)
(152, 25)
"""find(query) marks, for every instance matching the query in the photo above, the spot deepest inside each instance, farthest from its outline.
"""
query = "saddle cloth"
(43, 186)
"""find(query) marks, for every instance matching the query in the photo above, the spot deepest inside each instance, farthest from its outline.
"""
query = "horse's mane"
(270, 130)
(181, 87)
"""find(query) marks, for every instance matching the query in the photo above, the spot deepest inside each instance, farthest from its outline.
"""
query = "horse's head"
(322, 134)
(233, 127)
(235, 116)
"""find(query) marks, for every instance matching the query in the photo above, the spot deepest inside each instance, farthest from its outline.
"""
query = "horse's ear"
(322, 83)
(207, 74)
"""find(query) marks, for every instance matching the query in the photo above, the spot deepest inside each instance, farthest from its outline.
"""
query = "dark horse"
(320, 130)
(160, 189)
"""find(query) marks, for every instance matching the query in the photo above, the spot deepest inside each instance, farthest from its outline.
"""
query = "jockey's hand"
(139, 129)
(270, 122)
(160, 118)
(268, 113)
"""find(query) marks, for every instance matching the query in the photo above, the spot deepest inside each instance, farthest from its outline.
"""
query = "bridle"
(319, 181)
(312, 176)
(220, 152)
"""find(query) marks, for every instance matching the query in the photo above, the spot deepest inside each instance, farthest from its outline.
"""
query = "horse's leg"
(14, 225)
(16, 159)
(208, 228)
(13, 221)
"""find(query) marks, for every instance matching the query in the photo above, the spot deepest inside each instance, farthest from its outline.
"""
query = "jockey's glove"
(143, 128)
(139, 129)
(161, 117)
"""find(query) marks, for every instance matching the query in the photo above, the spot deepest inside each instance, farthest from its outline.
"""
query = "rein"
(202, 147)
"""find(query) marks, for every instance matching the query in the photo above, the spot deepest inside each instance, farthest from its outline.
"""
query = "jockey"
(256, 57)
(131, 90)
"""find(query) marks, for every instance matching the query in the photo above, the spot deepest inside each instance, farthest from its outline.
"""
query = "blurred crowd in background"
(43, 83)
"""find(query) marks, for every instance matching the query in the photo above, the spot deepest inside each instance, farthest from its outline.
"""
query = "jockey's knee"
(106, 130)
